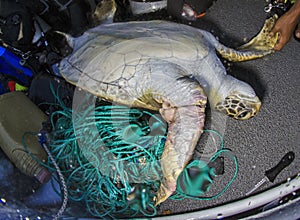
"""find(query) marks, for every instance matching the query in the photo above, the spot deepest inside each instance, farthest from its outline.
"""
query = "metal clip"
(25, 57)
(282, 6)
(268, 8)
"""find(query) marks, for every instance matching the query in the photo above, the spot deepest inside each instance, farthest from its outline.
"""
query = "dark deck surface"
(260, 142)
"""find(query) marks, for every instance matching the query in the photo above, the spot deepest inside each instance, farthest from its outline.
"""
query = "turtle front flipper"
(258, 47)
(185, 126)
(263, 40)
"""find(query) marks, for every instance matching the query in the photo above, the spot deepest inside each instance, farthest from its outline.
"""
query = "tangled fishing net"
(109, 157)
(102, 166)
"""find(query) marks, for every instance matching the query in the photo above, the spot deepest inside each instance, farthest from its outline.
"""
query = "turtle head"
(239, 106)
(238, 99)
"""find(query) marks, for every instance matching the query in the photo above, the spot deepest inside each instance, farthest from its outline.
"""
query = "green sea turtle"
(167, 67)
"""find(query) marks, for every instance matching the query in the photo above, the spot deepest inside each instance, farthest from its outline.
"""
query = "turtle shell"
(114, 56)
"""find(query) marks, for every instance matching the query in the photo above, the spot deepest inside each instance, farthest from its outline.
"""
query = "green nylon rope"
(107, 193)
(104, 179)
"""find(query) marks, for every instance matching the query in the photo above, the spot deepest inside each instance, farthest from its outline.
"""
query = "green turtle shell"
(115, 61)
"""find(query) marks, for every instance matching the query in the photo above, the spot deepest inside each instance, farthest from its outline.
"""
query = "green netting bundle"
(108, 153)
(109, 157)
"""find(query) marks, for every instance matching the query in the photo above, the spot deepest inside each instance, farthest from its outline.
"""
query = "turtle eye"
(243, 115)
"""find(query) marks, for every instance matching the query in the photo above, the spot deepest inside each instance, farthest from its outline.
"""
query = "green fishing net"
(115, 168)
(109, 156)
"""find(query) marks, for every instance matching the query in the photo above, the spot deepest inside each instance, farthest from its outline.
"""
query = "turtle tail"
(261, 45)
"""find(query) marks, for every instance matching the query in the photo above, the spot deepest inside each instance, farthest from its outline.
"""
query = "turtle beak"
(256, 106)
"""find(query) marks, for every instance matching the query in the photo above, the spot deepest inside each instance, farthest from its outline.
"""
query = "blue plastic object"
(10, 66)
(2, 89)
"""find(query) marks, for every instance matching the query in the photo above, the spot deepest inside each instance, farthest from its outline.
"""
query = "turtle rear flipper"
(263, 41)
